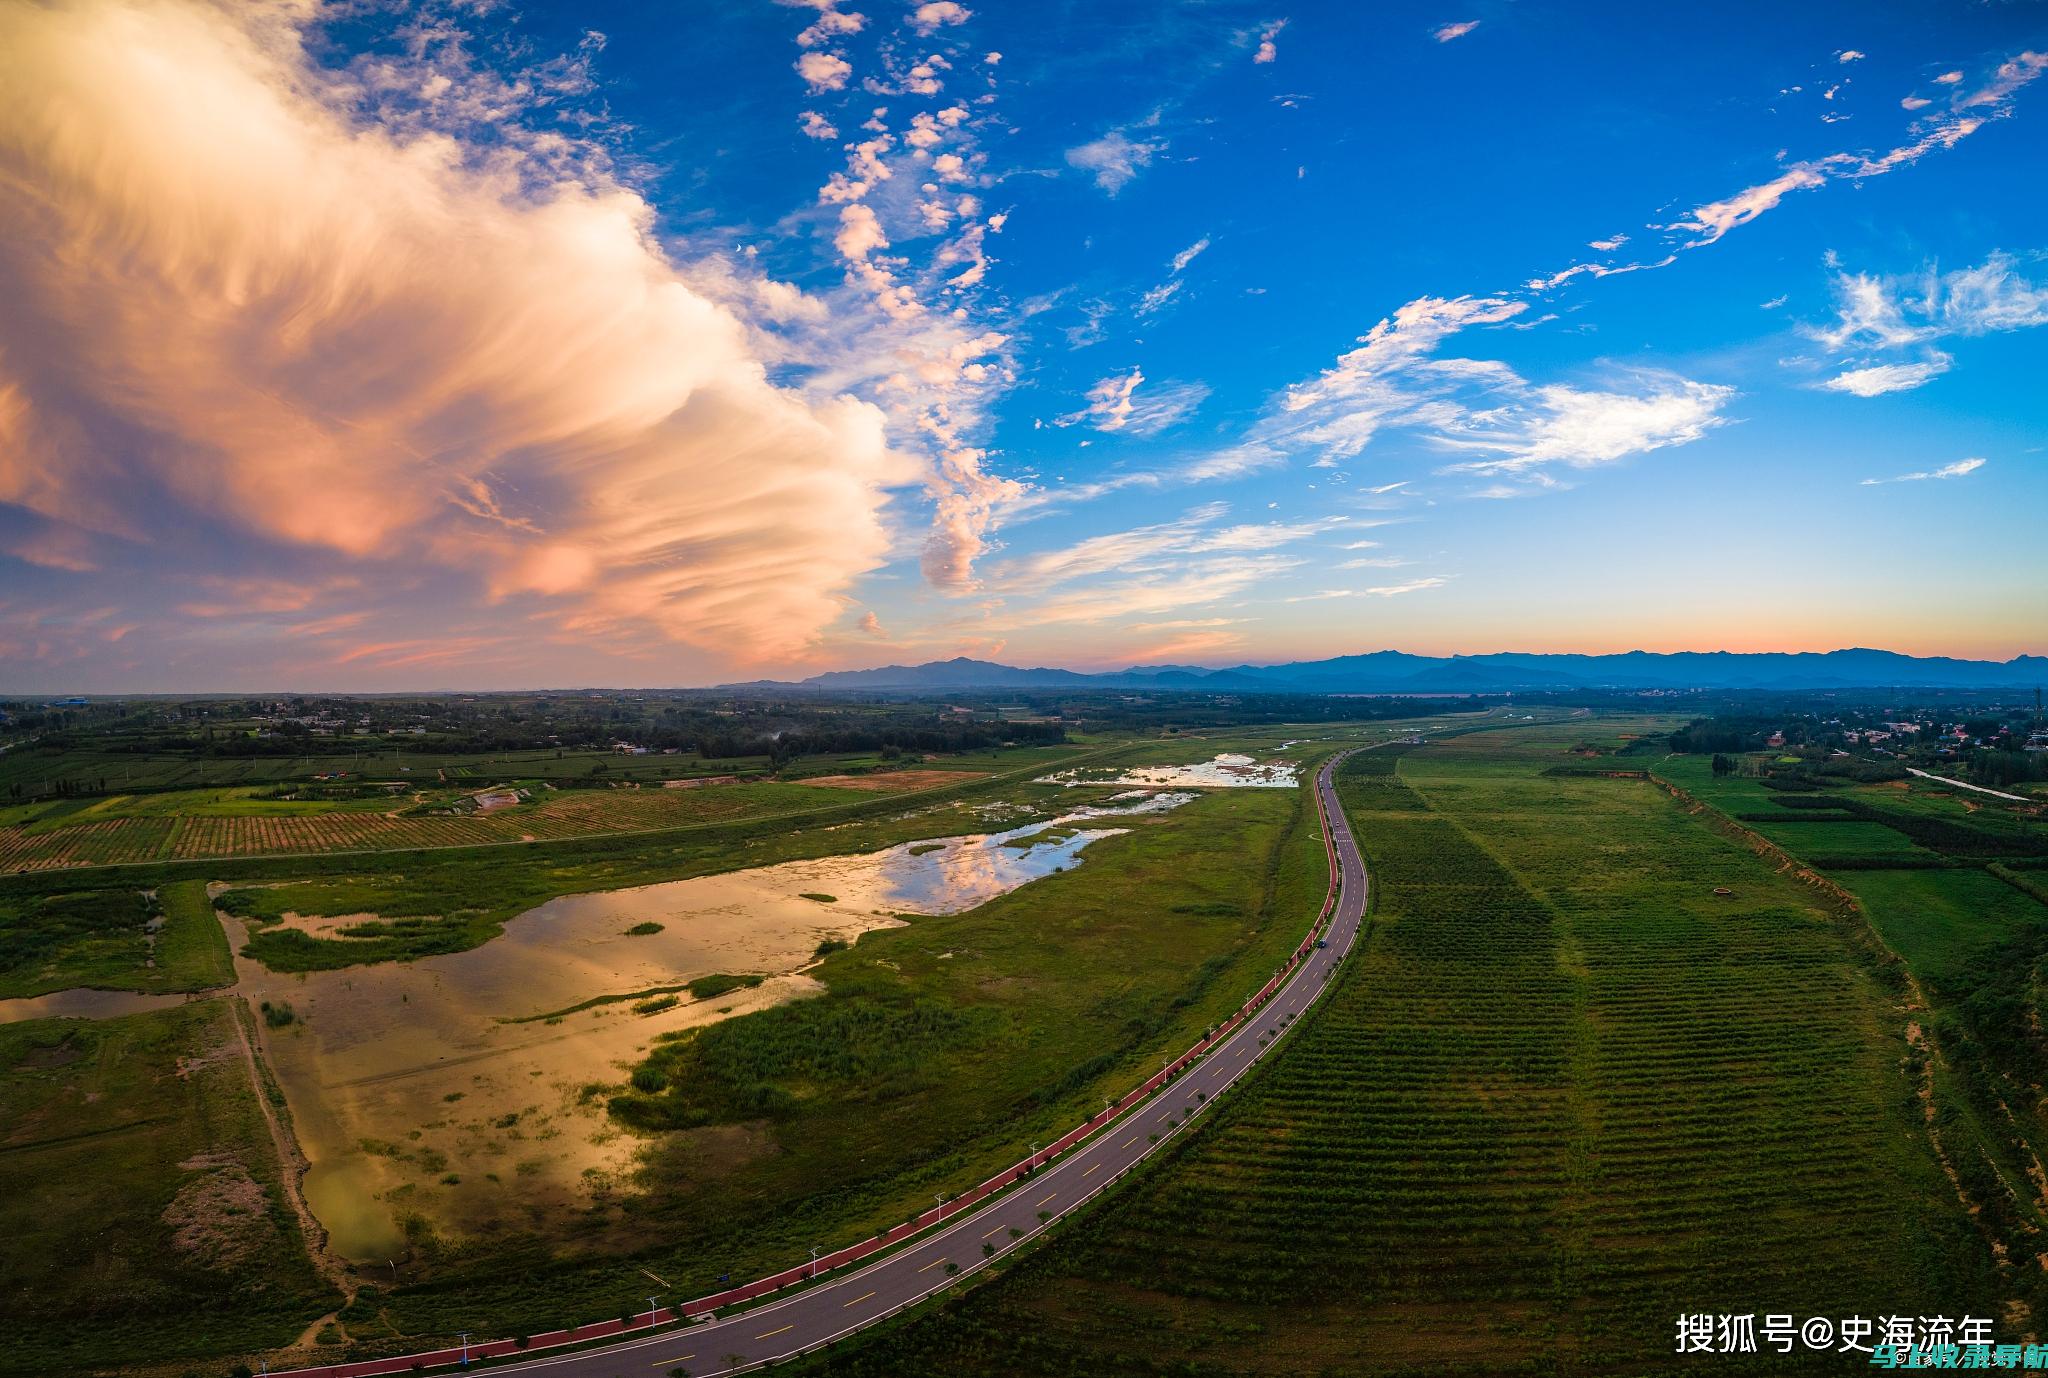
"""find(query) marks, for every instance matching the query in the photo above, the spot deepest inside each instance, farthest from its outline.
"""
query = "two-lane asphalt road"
(869, 1292)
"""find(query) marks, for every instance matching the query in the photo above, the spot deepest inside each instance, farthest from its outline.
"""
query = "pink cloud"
(235, 303)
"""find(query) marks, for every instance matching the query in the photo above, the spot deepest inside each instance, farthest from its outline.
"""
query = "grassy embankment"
(1563, 1093)
(140, 1197)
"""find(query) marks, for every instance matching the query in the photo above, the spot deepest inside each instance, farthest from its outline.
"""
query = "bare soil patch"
(220, 1219)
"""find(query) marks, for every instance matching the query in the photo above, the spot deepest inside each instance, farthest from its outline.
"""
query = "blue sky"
(652, 344)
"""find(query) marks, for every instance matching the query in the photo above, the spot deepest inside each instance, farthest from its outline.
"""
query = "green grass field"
(140, 1198)
(101, 939)
(1563, 1093)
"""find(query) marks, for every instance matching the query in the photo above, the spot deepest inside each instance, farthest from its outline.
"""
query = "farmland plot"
(1563, 1093)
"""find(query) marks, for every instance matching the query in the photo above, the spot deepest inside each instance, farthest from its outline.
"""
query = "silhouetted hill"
(1397, 672)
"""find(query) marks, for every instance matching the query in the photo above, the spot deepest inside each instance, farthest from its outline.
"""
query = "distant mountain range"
(1396, 672)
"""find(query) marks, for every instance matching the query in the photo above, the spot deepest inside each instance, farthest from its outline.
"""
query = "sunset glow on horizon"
(452, 346)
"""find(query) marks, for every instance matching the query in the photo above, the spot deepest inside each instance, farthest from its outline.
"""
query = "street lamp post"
(465, 1349)
(814, 1264)
(652, 1309)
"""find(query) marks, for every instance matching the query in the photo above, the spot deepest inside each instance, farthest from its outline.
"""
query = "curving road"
(1025, 1200)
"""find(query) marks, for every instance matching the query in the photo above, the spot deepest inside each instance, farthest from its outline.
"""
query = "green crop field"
(1563, 1093)
(1952, 893)
(140, 1198)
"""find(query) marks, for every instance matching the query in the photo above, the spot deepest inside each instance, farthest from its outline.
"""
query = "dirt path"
(291, 1163)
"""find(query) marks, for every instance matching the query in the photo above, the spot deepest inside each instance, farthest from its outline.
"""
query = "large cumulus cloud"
(232, 294)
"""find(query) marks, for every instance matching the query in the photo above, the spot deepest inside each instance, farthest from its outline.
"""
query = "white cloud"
(1990, 297)
(824, 71)
(1114, 159)
(1157, 297)
(1451, 31)
(1869, 312)
(1896, 313)
(1955, 470)
(1582, 427)
(1608, 246)
(871, 625)
(1914, 103)
(817, 126)
(927, 19)
(1188, 255)
(1481, 407)
(1849, 55)
(1949, 78)
(1879, 379)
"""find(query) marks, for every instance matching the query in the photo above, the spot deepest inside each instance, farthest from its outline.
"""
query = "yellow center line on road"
(933, 1264)
(1128, 1142)
(1047, 1197)
(857, 1300)
(1092, 1171)
(992, 1232)
(773, 1333)
(676, 1360)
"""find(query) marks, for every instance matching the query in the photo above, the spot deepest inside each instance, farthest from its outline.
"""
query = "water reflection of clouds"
(948, 875)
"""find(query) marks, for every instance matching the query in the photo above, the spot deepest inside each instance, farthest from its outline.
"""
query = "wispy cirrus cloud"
(1908, 314)
(1955, 470)
(1396, 379)
(1115, 405)
(1452, 31)
(1378, 591)
(1879, 379)
(1155, 548)
(1115, 159)
(1967, 113)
